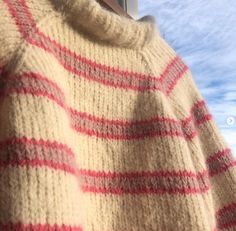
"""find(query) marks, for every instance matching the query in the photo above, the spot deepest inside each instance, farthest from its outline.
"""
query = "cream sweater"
(102, 127)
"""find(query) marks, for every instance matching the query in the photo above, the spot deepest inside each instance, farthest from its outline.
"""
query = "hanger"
(114, 6)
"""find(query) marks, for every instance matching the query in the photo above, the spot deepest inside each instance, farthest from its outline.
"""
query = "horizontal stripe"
(146, 190)
(226, 216)
(90, 70)
(200, 112)
(220, 161)
(173, 173)
(38, 227)
(32, 82)
(41, 142)
(38, 163)
(159, 182)
(24, 151)
(35, 84)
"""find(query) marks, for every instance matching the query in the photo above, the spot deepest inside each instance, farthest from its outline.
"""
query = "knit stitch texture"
(102, 127)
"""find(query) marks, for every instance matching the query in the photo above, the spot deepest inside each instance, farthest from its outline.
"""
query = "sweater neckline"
(105, 25)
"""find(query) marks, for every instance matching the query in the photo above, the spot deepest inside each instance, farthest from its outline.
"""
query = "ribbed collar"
(106, 25)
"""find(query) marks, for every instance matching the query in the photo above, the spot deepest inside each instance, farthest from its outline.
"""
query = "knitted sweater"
(102, 127)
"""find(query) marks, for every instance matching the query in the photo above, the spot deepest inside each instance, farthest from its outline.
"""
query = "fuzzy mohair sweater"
(102, 127)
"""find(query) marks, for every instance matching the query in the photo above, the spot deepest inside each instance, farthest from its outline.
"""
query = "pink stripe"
(226, 208)
(39, 163)
(15, 7)
(10, 226)
(30, 152)
(204, 119)
(167, 68)
(46, 143)
(173, 173)
(25, 91)
(144, 191)
(226, 216)
(228, 226)
(224, 168)
(178, 76)
(134, 137)
(220, 161)
(201, 116)
(160, 182)
(218, 154)
(43, 79)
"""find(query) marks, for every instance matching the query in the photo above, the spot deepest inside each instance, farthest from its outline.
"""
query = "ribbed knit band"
(106, 25)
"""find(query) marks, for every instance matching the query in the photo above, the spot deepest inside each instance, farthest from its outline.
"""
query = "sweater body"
(102, 127)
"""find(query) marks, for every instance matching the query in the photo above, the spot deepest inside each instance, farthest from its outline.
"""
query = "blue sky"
(203, 33)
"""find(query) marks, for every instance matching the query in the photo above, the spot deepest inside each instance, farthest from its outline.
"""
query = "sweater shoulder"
(18, 19)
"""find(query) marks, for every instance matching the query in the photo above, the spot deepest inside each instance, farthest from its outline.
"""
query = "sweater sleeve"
(213, 151)
(38, 183)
